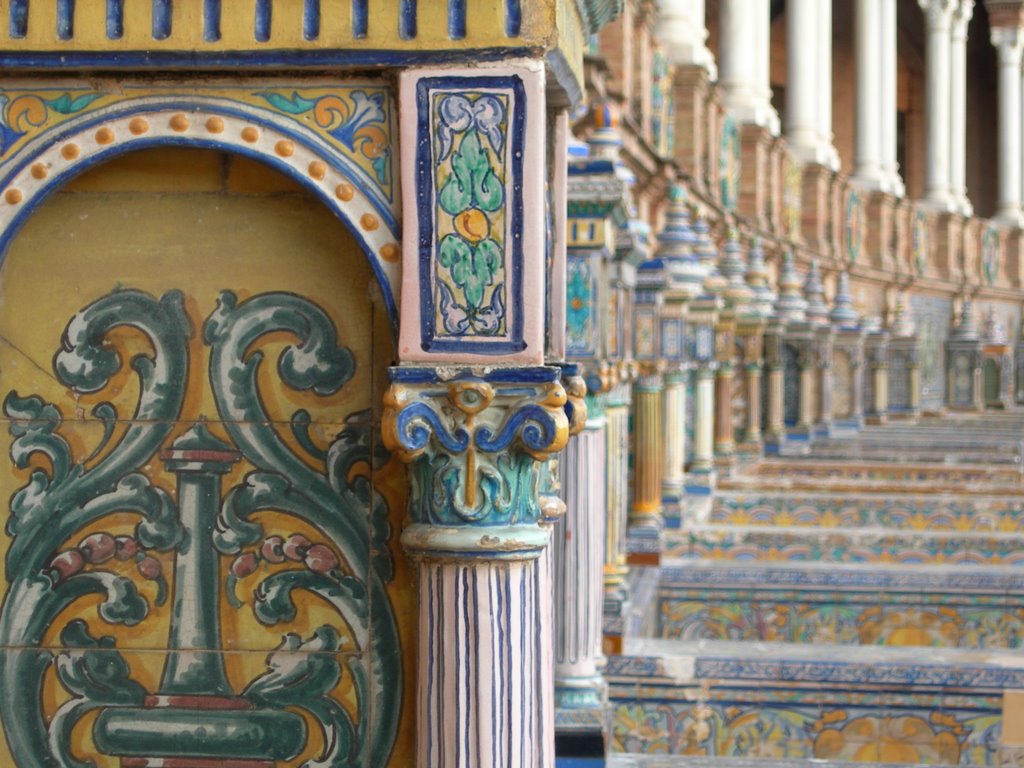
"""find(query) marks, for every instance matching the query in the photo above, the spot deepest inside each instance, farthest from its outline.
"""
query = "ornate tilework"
(470, 169)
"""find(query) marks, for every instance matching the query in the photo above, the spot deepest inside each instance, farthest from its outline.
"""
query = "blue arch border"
(207, 105)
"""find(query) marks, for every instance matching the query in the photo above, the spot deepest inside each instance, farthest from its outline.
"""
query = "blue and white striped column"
(579, 570)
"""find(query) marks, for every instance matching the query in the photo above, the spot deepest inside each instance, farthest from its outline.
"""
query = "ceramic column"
(725, 442)
(648, 457)
(938, 16)
(477, 435)
(887, 40)
(477, 541)
(880, 385)
(617, 491)
(752, 434)
(958, 106)
(579, 569)
(704, 420)
(869, 172)
(1008, 42)
(672, 482)
(808, 384)
(824, 424)
(801, 124)
(743, 62)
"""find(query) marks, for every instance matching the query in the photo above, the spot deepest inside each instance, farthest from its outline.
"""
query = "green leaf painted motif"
(472, 268)
(473, 183)
(296, 105)
(66, 105)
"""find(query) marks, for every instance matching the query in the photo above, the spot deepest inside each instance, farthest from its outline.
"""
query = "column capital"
(938, 14)
(961, 18)
(1009, 42)
(476, 441)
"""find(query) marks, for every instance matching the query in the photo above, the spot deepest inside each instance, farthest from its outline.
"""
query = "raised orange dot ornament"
(345, 192)
(390, 252)
(284, 148)
(39, 170)
(250, 134)
(318, 169)
(215, 125)
(105, 136)
(69, 151)
(138, 125)
(179, 123)
(368, 222)
(13, 196)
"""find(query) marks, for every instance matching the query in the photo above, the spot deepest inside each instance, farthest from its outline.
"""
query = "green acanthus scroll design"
(348, 567)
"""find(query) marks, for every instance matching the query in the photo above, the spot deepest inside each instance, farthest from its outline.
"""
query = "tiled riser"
(834, 726)
(1004, 515)
(857, 620)
(725, 543)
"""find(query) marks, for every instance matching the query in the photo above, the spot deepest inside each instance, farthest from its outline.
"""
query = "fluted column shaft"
(753, 429)
(648, 445)
(1008, 42)
(938, 16)
(674, 401)
(802, 128)
(725, 442)
(617, 493)
(807, 385)
(880, 388)
(704, 418)
(579, 570)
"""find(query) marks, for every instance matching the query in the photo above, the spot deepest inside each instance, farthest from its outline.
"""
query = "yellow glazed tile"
(190, 310)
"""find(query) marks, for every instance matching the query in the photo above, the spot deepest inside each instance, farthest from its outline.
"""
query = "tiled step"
(877, 477)
(837, 545)
(850, 605)
(925, 513)
(697, 761)
(905, 452)
(783, 702)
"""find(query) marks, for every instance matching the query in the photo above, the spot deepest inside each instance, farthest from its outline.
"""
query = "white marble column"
(683, 30)
(938, 15)
(674, 404)
(743, 62)
(823, 46)
(889, 76)
(868, 164)
(801, 122)
(1008, 42)
(704, 420)
(958, 106)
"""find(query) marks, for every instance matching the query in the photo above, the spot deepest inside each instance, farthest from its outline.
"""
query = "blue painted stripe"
(311, 20)
(161, 19)
(65, 19)
(513, 17)
(407, 20)
(263, 20)
(211, 20)
(336, 57)
(115, 19)
(456, 19)
(19, 18)
(360, 17)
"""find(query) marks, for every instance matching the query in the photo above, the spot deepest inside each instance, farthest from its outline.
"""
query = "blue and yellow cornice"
(207, 35)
